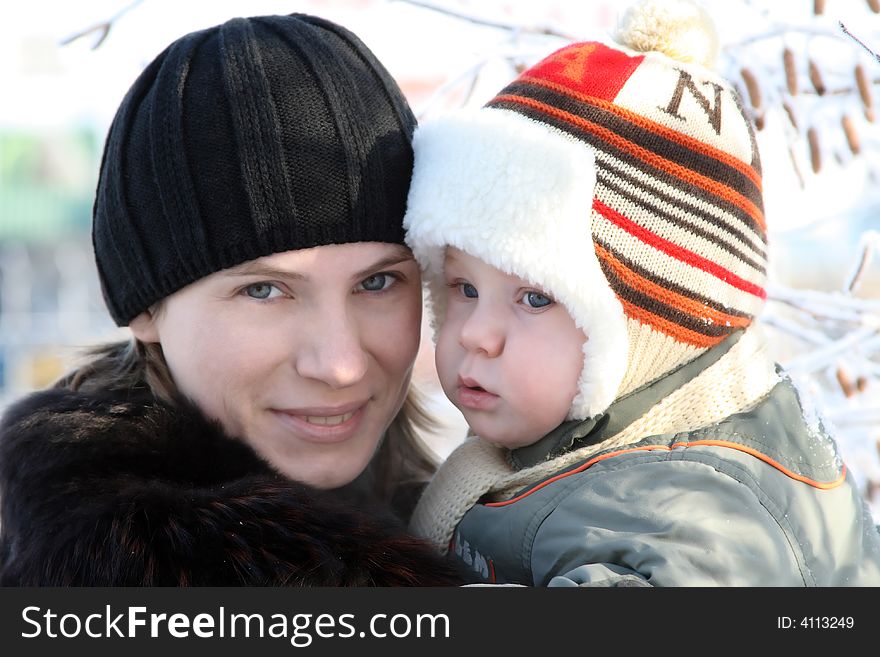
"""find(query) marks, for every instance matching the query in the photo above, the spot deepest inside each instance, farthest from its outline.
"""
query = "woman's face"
(306, 354)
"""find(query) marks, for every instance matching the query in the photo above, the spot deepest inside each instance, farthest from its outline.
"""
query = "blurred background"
(807, 70)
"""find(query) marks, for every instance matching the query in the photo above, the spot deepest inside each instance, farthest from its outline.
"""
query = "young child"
(594, 246)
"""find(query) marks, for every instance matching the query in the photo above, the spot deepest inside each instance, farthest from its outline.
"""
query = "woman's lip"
(326, 411)
(319, 432)
(477, 400)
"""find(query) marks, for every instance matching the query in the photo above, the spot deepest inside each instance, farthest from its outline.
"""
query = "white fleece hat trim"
(518, 195)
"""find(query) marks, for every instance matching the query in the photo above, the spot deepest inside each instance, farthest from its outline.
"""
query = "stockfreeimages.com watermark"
(301, 630)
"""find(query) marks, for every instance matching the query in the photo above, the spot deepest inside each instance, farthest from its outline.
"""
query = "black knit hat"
(258, 136)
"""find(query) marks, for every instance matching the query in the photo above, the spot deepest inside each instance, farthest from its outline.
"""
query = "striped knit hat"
(624, 180)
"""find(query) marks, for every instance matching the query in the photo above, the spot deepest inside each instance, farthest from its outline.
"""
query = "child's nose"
(483, 331)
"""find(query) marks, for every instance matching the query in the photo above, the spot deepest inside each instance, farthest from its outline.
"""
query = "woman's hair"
(401, 466)
(125, 365)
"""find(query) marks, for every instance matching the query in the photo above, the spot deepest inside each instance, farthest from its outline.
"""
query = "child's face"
(508, 356)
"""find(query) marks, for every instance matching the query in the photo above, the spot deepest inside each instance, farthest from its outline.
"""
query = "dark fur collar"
(120, 490)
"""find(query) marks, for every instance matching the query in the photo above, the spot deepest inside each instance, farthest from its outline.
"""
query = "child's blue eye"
(262, 291)
(536, 300)
(468, 290)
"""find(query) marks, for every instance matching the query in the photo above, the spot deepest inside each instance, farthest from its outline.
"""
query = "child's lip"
(471, 395)
(467, 382)
(476, 399)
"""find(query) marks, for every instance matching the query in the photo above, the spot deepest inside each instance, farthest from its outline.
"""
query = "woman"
(247, 228)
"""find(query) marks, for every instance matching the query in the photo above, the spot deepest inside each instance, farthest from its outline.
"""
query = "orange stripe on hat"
(652, 126)
(667, 296)
(682, 173)
(678, 252)
(668, 327)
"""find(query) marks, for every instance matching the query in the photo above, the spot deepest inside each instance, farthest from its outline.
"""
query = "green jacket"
(761, 498)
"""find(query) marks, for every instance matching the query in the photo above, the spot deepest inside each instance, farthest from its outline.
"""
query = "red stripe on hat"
(678, 252)
(668, 297)
(588, 68)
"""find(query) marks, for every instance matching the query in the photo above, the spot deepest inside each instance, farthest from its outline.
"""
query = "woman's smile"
(324, 425)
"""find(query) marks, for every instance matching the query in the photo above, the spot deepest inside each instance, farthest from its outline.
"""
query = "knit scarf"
(478, 469)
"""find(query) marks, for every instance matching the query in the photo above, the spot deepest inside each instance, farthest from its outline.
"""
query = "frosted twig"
(818, 312)
(780, 31)
(836, 299)
(102, 28)
(867, 243)
(820, 358)
(501, 25)
(793, 328)
(470, 74)
(858, 41)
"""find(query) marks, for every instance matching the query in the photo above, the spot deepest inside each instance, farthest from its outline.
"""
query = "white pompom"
(679, 29)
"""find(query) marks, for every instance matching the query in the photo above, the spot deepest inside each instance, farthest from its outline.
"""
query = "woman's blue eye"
(536, 300)
(468, 290)
(262, 291)
(377, 282)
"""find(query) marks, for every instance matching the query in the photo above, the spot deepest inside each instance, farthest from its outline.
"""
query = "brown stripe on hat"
(655, 232)
(670, 328)
(614, 172)
(732, 218)
(605, 150)
(683, 296)
(670, 144)
(679, 252)
(751, 170)
(671, 316)
(609, 189)
(673, 256)
(602, 137)
(641, 298)
(663, 301)
(661, 266)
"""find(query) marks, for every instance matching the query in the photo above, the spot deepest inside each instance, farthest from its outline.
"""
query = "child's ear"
(144, 328)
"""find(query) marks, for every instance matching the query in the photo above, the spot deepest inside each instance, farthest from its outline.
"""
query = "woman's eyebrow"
(257, 269)
(250, 269)
(388, 261)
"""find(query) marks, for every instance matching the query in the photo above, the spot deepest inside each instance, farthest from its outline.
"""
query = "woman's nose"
(333, 353)
(483, 331)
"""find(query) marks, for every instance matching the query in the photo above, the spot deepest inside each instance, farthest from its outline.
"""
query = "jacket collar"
(574, 434)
